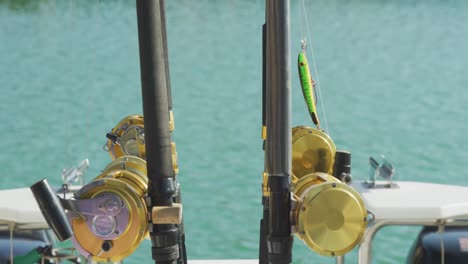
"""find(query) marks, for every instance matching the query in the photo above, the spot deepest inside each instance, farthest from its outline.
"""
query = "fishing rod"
(278, 133)
(264, 224)
(178, 198)
(160, 152)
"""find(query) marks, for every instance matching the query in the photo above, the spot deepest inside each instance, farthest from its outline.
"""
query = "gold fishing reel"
(312, 151)
(328, 215)
(127, 138)
(111, 218)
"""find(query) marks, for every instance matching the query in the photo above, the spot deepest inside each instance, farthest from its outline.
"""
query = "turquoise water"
(393, 76)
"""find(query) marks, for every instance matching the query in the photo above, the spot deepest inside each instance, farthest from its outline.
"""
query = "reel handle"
(52, 209)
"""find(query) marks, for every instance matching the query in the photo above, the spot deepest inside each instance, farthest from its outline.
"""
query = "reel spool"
(328, 215)
(312, 151)
(127, 138)
(109, 217)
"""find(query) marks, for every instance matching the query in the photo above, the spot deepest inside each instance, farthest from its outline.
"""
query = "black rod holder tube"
(264, 227)
(278, 152)
(154, 82)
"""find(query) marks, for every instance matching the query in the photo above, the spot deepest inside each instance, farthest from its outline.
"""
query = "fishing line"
(314, 64)
(68, 135)
(90, 98)
(301, 19)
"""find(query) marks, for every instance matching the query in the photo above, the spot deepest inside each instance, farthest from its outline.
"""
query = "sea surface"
(393, 78)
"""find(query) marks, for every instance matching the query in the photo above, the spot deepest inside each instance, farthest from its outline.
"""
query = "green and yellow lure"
(308, 87)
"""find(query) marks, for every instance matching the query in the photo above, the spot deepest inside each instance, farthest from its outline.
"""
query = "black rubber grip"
(52, 209)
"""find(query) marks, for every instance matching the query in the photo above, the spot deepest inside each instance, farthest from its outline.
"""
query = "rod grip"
(52, 209)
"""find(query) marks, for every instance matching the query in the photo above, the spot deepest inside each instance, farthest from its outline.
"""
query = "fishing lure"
(308, 87)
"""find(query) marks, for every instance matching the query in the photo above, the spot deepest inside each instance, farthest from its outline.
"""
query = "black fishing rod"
(156, 110)
(278, 136)
(178, 199)
(166, 55)
(264, 224)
